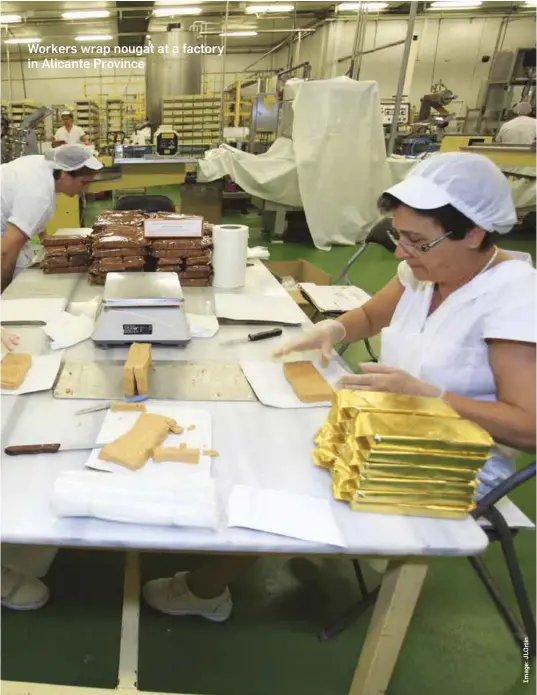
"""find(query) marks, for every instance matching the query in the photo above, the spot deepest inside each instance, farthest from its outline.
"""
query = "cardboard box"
(300, 271)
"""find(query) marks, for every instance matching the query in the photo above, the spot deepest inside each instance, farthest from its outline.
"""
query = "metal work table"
(259, 446)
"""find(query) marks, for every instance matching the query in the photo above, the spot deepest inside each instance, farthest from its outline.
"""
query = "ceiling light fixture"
(10, 18)
(94, 37)
(31, 39)
(86, 14)
(239, 33)
(173, 11)
(367, 6)
(455, 5)
(263, 9)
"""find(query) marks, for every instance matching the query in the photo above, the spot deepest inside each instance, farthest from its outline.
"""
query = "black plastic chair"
(500, 531)
(147, 203)
(377, 236)
(523, 633)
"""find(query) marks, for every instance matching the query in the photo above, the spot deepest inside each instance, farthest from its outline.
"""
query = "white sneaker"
(21, 593)
(173, 597)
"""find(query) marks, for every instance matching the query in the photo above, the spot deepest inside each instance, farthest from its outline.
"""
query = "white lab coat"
(28, 199)
(70, 137)
(448, 348)
(518, 131)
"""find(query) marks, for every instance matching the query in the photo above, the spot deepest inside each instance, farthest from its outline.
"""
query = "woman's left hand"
(382, 377)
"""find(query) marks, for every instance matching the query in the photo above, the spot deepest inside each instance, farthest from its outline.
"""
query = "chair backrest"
(503, 489)
(379, 234)
(147, 203)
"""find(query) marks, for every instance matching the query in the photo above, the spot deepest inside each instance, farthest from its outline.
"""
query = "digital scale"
(141, 308)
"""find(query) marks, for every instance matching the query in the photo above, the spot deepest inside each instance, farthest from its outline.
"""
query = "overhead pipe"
(361, 19)
(309, 29)
(223, 97)
(372, 50)
(402, 75)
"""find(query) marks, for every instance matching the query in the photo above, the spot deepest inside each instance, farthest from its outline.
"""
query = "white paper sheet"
(66, 330)
(259, 309)
(40, 376)
(117, 424)
(202, 325)
(335, 297)
(272, 388)
(20, 311)
(285, 514)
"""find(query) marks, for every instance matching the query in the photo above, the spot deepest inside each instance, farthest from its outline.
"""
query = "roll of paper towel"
(230, 242)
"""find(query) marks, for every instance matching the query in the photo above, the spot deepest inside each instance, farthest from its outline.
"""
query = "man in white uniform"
(69, 133)
(29, 187)
(520, 130)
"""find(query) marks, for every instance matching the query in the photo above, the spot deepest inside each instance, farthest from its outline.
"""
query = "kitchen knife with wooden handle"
(28, 449)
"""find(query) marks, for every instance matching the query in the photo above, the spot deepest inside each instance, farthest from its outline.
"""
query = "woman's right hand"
(323, 336)
(9, 340)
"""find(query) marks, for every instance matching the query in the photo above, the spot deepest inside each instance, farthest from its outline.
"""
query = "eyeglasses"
(412, 248)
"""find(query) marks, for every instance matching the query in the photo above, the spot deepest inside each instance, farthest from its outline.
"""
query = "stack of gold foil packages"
(398, 454)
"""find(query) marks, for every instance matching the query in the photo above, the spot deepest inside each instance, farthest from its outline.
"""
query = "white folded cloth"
(178, 500)
(258, 252)
(202, 325)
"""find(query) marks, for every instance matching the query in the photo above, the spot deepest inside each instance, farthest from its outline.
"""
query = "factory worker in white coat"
(520, 130)
(458, 319)
(29, 187)
(69, 133)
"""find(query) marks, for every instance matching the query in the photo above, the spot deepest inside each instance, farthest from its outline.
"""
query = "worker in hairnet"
(29, 188)
(457, 321)
(520, 130)
(69, 133)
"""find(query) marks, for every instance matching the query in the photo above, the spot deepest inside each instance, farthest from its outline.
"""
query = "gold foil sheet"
(459, 490)
(406, 457)
(347, 479)
(423, 434)
(397, 454)
(416, 499)
(434, 511)
(389, 470)
(373, 401)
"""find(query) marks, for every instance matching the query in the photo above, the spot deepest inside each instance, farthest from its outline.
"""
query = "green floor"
(457, 642)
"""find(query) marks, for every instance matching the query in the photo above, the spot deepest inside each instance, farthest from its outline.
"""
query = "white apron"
(24, 259)
(427, 348)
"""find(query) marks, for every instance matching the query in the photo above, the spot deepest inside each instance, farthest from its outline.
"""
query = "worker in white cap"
(29, 188)
(69, 133)
(520, 130)
(457, 321)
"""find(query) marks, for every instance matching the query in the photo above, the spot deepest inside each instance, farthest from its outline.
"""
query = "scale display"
(137, 329)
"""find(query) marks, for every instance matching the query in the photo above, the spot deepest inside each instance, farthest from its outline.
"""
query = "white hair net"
(471, 183)
(522, 109)
(72, 157)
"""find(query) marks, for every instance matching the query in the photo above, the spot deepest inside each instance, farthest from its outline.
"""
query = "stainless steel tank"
(173, 72)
